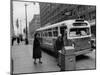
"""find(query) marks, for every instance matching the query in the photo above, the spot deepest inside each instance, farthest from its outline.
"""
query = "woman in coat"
(58, 46)
(36, 49)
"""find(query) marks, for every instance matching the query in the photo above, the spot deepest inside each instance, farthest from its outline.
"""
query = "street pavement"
(87, 61)
(23, 62)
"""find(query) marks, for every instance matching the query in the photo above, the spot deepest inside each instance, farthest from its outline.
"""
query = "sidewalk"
(23, 62)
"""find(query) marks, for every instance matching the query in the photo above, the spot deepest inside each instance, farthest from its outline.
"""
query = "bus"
(78, 32)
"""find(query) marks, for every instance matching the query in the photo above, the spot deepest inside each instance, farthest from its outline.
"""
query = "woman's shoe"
(59, 65)
(35, 62)
(40, 62)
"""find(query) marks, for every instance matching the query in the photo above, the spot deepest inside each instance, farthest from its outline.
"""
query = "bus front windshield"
(76, 32)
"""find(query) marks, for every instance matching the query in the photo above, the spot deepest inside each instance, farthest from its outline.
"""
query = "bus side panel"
(47, 43)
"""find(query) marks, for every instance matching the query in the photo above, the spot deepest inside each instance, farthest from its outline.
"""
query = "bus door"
(67, 42)
(62, 30)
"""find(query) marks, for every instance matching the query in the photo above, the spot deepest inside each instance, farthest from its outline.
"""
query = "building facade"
(51, 13)
(34, 24)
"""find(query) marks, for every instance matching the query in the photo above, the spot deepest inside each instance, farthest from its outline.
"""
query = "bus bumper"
(83, 52)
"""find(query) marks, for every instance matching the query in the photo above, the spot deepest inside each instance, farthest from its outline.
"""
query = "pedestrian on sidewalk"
(36, 49)
(18, 41)
(58, 46)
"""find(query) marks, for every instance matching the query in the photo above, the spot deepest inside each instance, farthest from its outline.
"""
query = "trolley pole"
(26, 40)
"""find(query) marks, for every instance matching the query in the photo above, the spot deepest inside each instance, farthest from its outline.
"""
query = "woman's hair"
(35, 35)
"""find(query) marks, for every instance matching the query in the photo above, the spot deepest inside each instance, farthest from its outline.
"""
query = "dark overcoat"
(36, 49)
(58, 46)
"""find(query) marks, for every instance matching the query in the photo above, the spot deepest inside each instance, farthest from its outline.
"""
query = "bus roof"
(68, 23)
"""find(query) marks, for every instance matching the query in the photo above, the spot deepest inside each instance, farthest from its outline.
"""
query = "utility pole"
(26, 40)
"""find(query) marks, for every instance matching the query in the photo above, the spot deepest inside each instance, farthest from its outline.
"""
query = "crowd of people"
(17, 38)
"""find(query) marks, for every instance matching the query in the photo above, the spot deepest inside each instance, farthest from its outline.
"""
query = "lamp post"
(26, 39)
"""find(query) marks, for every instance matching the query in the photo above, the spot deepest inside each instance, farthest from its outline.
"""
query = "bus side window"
(38, 34)
(45, 34)
(50, 32)
(42, 34)
(55, 31)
